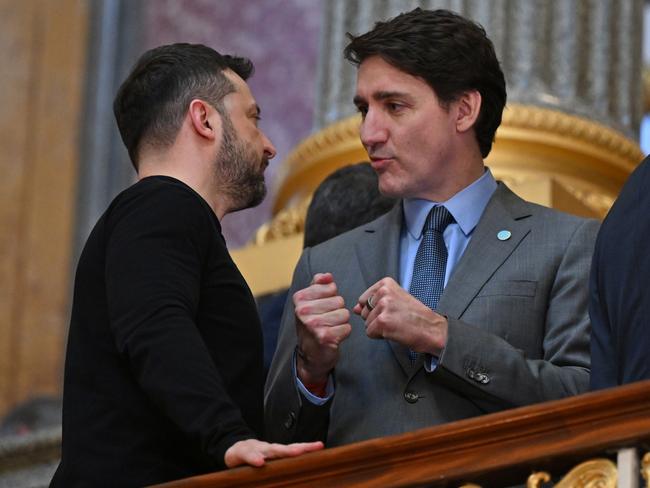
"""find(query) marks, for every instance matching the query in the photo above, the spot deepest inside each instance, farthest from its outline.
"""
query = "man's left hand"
(396, 315)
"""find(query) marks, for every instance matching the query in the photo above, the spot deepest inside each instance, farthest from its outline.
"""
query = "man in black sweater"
(163, 374)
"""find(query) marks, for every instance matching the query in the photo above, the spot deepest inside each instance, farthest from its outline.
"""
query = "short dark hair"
(451, 53)
(153, 101)
(347, 198)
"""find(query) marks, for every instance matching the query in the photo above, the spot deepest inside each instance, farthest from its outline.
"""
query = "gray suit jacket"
(518, 328)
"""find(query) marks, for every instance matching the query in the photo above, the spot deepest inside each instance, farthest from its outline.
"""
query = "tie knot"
(438, 219)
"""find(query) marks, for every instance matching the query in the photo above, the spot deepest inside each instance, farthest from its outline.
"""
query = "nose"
(269, 148)
(372, 130)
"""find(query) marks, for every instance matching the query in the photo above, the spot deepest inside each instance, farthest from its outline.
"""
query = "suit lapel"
(377, 249)
(378, 255)
(485, 252)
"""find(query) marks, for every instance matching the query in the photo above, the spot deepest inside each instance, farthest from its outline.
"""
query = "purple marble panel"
(281, 37)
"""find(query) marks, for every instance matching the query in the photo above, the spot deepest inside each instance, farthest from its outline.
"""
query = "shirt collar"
(466, 206)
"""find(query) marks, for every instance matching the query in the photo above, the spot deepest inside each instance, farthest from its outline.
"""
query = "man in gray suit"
(465, 298)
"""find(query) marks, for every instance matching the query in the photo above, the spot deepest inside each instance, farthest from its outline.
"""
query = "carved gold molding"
(571, 131)
(316, 157)
(596, 473)
(645, 468)
(288, 222)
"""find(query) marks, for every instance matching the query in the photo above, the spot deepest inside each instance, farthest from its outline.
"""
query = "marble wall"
(282, 39)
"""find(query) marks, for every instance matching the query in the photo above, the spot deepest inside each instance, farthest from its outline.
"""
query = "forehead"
(376, 75)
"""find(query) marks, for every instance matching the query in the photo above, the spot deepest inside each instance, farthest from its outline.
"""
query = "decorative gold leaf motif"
(645, 468)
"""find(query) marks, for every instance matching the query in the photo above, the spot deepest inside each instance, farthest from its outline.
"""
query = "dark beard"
(238, 170)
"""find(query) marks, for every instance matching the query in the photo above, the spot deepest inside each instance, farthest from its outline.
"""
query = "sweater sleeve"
(157, 246)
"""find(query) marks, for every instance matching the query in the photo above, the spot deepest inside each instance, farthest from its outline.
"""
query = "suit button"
(411, 397)
(471, 374)
(290, 420)
(485, 379)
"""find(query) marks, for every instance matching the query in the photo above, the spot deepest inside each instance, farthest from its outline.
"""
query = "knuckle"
(302, 310)
(321, 335)
(381, 320)
(311, 322)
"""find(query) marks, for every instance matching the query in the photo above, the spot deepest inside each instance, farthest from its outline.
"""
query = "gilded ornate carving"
(574, 128)
(287, 223)
(596, 473)
(535, 480)
(645, 468)
(328, 140)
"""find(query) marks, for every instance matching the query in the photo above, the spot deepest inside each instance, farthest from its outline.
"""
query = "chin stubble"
(238, 171)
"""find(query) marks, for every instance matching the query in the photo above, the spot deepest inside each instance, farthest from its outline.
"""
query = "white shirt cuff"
(316, 400)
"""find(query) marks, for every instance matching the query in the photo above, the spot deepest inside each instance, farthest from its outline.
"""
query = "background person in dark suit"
(163, 373)
(465, 299)
(620, 288)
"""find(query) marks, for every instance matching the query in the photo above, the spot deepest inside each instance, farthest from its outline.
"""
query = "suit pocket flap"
(510, 288)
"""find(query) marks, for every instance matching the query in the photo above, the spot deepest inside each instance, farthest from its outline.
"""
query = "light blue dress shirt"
(466, 207)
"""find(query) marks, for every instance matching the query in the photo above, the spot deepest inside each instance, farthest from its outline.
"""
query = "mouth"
(380, 163)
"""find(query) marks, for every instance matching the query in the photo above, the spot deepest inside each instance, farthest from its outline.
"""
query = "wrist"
(438, 334)
(308, 376)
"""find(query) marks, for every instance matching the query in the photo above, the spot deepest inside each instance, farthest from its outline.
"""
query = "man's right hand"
(322, 323)
(256, 453)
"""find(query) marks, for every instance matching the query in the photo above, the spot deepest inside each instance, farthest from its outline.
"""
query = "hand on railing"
(255, 453)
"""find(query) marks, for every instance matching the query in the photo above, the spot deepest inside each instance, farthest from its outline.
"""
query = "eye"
(394, 106)
(363, 110)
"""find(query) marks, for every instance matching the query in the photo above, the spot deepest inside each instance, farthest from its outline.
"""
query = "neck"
(195, 176)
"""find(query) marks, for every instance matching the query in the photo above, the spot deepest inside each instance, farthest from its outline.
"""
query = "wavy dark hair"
(451, 53)
(153, 101)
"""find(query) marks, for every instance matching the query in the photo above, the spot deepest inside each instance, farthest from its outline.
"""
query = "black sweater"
(164, 362)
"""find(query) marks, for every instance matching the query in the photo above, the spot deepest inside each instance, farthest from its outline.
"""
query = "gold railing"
(500, 449)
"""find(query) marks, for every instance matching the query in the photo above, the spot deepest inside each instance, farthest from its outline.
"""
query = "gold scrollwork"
(535, 480)
(287, 223)
(645, 468)
(571, 127)
(596, 473)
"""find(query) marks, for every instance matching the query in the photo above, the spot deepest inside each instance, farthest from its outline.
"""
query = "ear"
(204, 119)
(468, 107)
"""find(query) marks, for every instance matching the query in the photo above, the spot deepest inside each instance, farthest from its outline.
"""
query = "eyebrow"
(382, 95)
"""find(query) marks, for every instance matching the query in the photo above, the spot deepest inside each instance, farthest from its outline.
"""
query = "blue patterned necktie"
(428, 278)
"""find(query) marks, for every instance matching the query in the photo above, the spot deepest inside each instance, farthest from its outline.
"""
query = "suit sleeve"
(496, 375)
(155, 255)
(288, 416)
